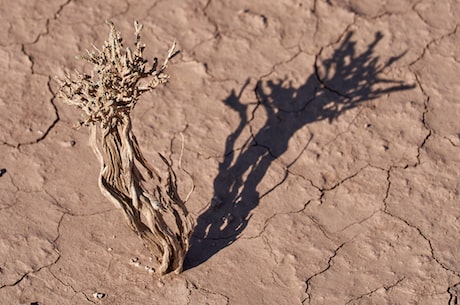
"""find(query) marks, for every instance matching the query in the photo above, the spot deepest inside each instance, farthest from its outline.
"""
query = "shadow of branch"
(346, 80)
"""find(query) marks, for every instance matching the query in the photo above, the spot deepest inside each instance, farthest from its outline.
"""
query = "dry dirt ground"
(327, 132)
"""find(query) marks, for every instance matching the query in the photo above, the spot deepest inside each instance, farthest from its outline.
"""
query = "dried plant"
(151, 204)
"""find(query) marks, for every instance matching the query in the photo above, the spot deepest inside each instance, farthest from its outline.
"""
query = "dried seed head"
(109, 93)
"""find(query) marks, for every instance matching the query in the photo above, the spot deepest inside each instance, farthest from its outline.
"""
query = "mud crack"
(71, 287)
(48, 21)
(424, 119)
(324, 190)
(3, 172)
(385, 287)
(414, 227)
(193, 286)
(431, 42)
(308, 281)
(453, 292)
(33, 271)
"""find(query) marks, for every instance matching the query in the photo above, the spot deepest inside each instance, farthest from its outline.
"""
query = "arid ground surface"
(327, 132)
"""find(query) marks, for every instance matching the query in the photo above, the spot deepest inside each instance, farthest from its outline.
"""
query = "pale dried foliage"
(151, 204)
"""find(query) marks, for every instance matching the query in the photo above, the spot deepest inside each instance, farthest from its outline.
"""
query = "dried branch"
(152, 207)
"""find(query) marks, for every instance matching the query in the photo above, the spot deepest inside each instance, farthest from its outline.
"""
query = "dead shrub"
(107, 96)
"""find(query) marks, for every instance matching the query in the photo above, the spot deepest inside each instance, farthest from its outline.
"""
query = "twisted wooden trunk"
(131, 183)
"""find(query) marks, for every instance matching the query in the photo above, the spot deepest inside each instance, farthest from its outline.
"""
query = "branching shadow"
(347, 80)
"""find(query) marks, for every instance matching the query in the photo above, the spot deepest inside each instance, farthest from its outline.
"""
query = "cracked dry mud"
(327, 132)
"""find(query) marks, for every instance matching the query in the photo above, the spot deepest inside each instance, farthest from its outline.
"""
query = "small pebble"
(70, 143)
(135, 262)
(149, 269)
(99, 295)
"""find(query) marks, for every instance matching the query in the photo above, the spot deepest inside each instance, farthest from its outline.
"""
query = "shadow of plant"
(348, 80)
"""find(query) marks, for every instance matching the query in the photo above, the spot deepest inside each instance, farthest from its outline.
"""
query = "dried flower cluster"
(151, 204)
(113, 88)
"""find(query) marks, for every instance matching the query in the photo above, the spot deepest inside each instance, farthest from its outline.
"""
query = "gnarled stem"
(130, 182)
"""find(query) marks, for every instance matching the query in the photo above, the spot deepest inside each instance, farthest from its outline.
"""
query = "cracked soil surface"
(322, 138)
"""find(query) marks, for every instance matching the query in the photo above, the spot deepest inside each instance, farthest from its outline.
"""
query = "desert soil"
(322, 138)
